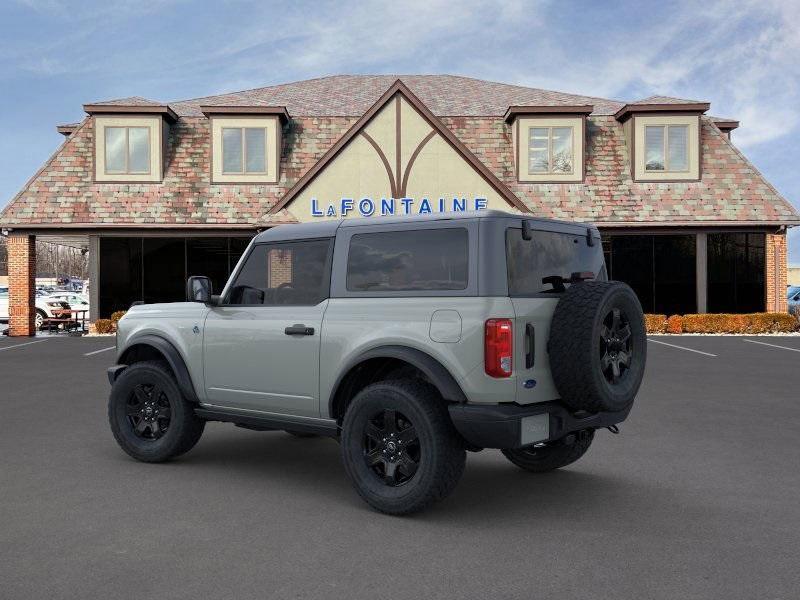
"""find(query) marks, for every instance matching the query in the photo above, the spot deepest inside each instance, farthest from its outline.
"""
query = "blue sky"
(56, 55)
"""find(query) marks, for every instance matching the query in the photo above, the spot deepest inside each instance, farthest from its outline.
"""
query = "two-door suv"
(410, 340)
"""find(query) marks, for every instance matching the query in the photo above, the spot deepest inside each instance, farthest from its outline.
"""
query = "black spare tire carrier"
(598, 346)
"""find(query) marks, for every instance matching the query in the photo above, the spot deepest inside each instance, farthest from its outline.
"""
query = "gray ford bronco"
(409, 340)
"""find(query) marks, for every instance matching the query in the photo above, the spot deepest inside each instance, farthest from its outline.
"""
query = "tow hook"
(613, 429)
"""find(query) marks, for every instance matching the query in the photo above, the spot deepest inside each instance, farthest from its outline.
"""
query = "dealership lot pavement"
(697, 498)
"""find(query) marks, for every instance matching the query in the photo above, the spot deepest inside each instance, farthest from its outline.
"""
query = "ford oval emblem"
(529, 383)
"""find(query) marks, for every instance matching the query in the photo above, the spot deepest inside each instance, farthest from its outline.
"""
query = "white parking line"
(101, 350)
(771, 345)
(682, 348)
(20, 345)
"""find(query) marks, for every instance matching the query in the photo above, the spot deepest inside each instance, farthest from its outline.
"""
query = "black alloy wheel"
(399, 446)
(149, 416)
(616, 352)
(391, 447)
(148, 411)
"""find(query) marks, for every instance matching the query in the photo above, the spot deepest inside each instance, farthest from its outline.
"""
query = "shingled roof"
(130, 101)
(731, 191)
(352, 95)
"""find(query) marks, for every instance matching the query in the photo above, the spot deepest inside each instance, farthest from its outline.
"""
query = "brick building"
(158, 191)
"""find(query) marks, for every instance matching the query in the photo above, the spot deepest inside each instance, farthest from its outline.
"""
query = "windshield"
(548, 254)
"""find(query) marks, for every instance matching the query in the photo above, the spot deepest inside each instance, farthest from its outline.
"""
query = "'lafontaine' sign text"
(367, 207)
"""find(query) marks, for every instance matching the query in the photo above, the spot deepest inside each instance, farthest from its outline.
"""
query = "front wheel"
(149, 417)
(399, 447)
(541, 458)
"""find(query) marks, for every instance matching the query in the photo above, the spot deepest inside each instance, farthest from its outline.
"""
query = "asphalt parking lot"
(698, 497)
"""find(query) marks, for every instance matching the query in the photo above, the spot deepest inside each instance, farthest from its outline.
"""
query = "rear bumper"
(509, 426)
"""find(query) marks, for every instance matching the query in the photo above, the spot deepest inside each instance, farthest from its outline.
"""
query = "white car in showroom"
(3, 304)
(47, 307)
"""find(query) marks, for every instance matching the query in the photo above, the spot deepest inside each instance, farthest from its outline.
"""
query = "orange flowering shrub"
(655, 323)
(728, 323)
(103, 326)
(675, 324)
(116, 316)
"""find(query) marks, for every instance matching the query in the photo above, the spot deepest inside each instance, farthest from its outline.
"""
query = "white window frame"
(127, 170)
(157, 130)
(636, 126)
(521, 136)
(665, 148)
(243, 129)
(272, 133)
(550, 170)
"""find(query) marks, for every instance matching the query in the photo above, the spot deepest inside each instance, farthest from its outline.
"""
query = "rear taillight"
(498, 347)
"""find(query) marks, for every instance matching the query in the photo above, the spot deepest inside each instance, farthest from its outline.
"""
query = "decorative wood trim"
(515, 111)
(384, 160)
(630, 109)
(727, 125)
(131, 109)
(399, 87)
(412, 158)
(67, 130)
(398, 145)
(279, 111)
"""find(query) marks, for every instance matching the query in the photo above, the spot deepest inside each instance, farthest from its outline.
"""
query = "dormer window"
(548, 142)
(245, 143)
(129, 140)
(550, 150)
(666, 148)
(244, 150)
(127, 150)
(663, 138)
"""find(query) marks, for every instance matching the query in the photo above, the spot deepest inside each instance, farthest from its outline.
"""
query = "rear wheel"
(149, 417)
(399, 447)
(541, 458)
(39, 318)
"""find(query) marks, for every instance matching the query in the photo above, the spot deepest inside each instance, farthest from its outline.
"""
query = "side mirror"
(198, 289)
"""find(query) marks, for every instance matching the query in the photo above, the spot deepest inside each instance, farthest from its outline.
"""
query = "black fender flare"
(173, 358)
(439, 376)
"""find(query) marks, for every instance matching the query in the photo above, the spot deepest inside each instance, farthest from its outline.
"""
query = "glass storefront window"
(209, 256)
(120, 267)
(164, 269)
(661, 269)
(736, 272)
(155, 269)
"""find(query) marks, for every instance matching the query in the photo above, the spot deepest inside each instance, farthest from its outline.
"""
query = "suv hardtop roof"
(323, 229)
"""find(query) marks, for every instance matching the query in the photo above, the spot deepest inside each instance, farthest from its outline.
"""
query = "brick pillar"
(279, 267)
(776, 272)
(21, 284)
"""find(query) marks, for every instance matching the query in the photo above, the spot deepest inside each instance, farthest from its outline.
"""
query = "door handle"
(299, 329)
(530, 345)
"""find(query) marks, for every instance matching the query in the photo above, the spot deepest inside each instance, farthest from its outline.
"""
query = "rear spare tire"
(598, 346)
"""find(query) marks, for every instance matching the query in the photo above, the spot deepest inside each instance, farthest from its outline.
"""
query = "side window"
(284, 274)
(394, 261)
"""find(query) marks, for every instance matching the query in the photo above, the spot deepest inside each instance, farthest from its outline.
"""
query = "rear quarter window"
(399, 261)
(548, 253)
